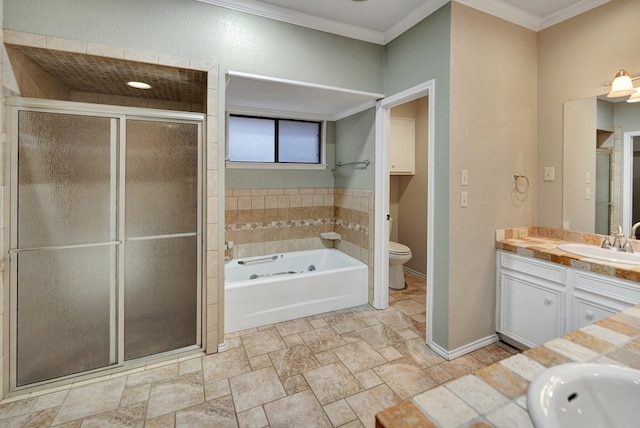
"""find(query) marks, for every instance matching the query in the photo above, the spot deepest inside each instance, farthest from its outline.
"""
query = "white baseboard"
(222, 347)
(463, 350)
(416, 273)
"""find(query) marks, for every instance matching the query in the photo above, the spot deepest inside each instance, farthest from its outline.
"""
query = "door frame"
(381, 206)
(627, 181)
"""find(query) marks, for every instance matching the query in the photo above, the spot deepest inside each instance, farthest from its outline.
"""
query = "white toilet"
(398, 255)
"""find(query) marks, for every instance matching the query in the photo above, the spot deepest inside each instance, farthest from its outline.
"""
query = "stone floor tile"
(331, 383)
(419, 353)
(224, 365)
(359, 356)
(214, 413)
(189, 366)
(260, 362)
(135, 394)
(343, 323)
(438, 374)
(175, 394)
(91, 399)
(253, 418)
(368, 379)
(216, 389)
(379, 336)
(256, 388)
(40, 418)
(490, 354)
(153, 375)
(327, 357)
(462, 366)
(390, 353)
(404, 378)
(510, 416)
(322, 339)
(301, 409)
(164, 421)
(262, 342)
(296, 326)
(394, 319)
(367, 403)
(339, 413)
(47, 401)
(294, 360)
(295, 384)
(409, 307)
(128, 416)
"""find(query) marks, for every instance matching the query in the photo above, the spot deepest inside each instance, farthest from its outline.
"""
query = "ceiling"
(377, 21)
(380, 21)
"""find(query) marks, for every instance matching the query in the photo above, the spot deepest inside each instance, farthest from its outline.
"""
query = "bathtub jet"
(280, 287)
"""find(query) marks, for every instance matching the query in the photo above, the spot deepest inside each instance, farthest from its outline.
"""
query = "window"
(273, 140)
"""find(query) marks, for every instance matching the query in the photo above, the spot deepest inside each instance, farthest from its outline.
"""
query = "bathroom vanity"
(543, 292)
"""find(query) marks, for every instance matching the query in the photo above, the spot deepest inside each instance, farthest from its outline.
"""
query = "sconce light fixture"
(622, 86)
(635, 97)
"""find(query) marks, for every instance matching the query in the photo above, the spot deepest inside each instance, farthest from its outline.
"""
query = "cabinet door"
(586, 312)
(532, 311)
(402, 146)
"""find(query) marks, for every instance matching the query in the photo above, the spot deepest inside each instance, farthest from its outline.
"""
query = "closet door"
(162, 237)
(63, 245)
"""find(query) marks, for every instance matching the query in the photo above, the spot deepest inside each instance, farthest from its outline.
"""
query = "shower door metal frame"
(118, 168)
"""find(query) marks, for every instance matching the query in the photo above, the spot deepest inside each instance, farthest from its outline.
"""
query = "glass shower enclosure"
(105, 237)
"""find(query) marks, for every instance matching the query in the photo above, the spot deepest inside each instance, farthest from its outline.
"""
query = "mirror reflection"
(601, 166)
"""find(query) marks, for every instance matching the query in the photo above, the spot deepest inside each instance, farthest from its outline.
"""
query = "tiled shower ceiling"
(95, 74)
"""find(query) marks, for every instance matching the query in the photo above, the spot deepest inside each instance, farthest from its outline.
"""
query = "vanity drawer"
(608, 286)
(539, 268)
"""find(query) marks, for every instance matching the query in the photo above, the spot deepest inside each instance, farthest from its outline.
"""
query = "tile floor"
(335, 369)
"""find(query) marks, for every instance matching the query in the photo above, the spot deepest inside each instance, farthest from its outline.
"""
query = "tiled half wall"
(267, 221)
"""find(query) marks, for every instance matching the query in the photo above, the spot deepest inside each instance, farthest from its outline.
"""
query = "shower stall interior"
(105, 237)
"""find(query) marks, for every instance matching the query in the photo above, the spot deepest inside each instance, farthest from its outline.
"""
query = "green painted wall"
(190, 29)
(417, 56)
(356, 141)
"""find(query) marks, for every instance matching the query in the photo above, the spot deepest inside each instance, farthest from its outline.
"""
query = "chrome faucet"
(617, 244)
(634, 228)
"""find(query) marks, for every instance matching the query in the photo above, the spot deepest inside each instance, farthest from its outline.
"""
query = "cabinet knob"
(589, 316)
(548, 301)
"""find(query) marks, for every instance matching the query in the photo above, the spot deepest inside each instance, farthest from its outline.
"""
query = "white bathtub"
(291, 285)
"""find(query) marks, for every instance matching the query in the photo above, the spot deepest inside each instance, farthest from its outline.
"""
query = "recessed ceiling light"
(139, 85)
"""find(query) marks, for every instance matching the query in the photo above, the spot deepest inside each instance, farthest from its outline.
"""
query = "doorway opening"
(426, 92)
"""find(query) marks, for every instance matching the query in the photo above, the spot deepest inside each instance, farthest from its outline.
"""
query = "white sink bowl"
(595, 252)
(585, 395)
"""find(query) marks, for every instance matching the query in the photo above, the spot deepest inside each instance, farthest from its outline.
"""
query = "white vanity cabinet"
(538, 301)
(599, 296)
(402, 146)
(531, 299)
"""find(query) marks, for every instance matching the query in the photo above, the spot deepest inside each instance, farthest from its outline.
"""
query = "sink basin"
(596, 252)
(585, 395)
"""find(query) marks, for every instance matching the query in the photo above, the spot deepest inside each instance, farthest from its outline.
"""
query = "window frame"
(322, 165)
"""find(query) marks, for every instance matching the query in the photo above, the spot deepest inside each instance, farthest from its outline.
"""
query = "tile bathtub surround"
(334, 369)
(495, 396)
(266, 221)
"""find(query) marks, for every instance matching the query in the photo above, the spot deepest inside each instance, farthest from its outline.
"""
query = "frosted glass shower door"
(161, 309)
(64, 248)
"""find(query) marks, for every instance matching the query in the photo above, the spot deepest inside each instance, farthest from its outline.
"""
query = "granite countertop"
(541, 243)
(495, 396)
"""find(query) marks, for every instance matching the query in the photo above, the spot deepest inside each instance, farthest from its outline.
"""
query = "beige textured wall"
(408, 193)
(575, 59)
(493, 136)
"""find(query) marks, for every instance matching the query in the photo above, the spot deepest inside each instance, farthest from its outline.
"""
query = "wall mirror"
(601, 161)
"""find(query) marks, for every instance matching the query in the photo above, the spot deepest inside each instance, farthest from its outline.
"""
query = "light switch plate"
(549, 173)
(464, 177)
(464, 199)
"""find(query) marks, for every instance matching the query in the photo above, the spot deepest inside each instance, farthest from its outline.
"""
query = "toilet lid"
(397, 248)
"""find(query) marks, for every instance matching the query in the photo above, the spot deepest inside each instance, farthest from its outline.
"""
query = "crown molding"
(570, 12)
(505, 11)
(530, 20)
(498, 8)
(299, 18)
(410, 20)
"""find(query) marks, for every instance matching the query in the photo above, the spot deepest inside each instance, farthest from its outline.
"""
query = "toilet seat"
(398, 249)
